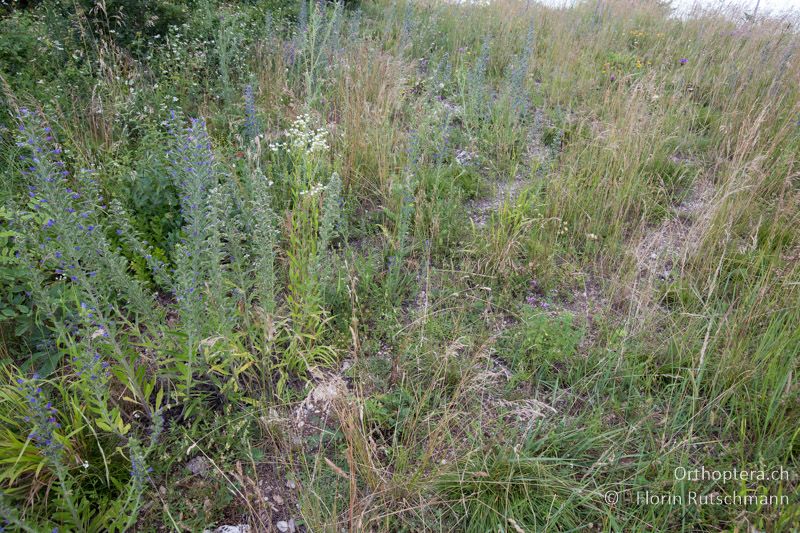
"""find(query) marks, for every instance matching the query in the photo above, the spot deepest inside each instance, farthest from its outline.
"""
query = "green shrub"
(540, 345)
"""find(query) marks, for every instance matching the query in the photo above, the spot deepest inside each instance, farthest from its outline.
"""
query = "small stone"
(198, 466)
(278, 499)
(283, 526)
(241, 528)
(291, 484)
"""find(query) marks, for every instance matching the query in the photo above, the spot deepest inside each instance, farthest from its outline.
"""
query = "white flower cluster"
(313, 191)
(301, 135)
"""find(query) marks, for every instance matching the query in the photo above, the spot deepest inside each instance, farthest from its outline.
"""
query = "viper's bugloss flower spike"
(67, 229)
(251, 120)
(41, 417)
(139, 469)
(198, 257)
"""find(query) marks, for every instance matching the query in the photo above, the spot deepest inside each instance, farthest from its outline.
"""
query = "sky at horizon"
(764, 6)
(747, 5)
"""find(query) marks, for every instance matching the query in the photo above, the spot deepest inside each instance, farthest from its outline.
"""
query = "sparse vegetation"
(398, 266)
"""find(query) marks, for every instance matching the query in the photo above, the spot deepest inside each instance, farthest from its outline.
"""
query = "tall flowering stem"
(68, 222)
(251, 119)
(331, 217)
(477, 98)
(316, 40)
(311, 220)
(42, 418)
(199, 279)
(192, 171)
(517, 85)
(265, 237)
(66, 237)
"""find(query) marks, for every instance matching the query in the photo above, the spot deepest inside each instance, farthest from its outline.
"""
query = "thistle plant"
(86, 320)
(139, 474)
(199, 255)
(517, 86)
(41, 416)
(302, 18)
(401, 212)
(337, 23)
(9, 516)
(332, 227)
(443, 146)
(223, 256)
(93, 371)
(354, 24)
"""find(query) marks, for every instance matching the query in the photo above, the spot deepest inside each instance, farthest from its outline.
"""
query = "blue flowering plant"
(66, 244)
(70, 457)
(252, 127)
(198, 277)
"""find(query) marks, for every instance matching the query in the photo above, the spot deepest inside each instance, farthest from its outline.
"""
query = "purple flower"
(41, 415)
(92, 365)
(139, 468)
(684, 61)
(251, 119)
